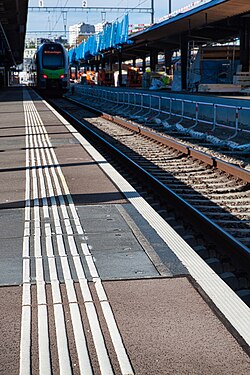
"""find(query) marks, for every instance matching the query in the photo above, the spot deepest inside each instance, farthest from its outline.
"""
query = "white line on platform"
(24, 367)
(25, 341)
(84, 361)
(43, 341)
(114, 333)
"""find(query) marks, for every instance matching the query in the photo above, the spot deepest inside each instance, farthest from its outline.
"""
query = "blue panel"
(112, 36)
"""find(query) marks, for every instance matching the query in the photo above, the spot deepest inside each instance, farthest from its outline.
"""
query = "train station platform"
(202, 112)
(91, 279)
(230, 99)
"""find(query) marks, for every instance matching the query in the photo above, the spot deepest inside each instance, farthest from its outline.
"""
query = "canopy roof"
(217, 20)
(13, 18)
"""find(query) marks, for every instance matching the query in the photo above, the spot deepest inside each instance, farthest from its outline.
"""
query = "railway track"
(211, 195)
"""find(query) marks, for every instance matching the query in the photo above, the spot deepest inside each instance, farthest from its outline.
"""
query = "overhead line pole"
(152, 11)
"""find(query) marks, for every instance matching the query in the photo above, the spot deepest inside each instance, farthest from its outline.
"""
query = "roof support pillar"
(184, 60)
(144, 64)
(153, 60)
(244, 45)
(120, 68)
(168, 61)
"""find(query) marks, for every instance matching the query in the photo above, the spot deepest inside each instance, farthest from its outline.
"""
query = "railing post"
(196, 113)
(215, 117)
(182, 111)
(237, 120)
(170, 108)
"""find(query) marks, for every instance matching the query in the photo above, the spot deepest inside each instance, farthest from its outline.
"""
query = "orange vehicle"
(134, 77)
(105, 78)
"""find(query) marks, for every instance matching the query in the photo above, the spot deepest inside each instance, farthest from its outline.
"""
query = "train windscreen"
(53, 57)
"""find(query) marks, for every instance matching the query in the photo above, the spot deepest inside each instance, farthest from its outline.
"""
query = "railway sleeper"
(230, 279)
(215, 264)
(202, 251)
(244, 294)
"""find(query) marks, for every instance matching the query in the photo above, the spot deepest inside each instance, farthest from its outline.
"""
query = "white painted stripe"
(47, 229)
(43, 333)
(100, 290)
(26, 270)
(79, 268)
(45, 210)
(39, 269)
(62, 343)
(27, 211)
(85, 249)
(41, 293)
(27, 223)
(71, 291)
(25, 365)
(79, 229)
(122, 357)
(43, 341)
(85, 290)
(37, 241)
(52, 269)
(26, 247)
(56, 293)
(68, 227)
(101, 351)
(65, 268)
(91, 265)
(58, 228)
(60, 245)
(81, 346)
(26, 298)
(25, 341)
(72, 245)
(62, 204)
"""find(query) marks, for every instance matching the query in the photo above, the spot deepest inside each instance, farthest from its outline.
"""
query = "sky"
(43, 21)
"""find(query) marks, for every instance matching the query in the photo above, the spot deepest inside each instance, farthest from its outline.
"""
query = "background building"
(80, 31)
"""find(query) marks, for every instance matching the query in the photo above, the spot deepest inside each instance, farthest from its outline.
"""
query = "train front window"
(53, 57)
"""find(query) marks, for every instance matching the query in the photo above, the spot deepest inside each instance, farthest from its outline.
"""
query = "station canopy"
(13, 18)
(211, 21)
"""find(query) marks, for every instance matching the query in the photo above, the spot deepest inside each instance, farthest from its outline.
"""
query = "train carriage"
(52, 68)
